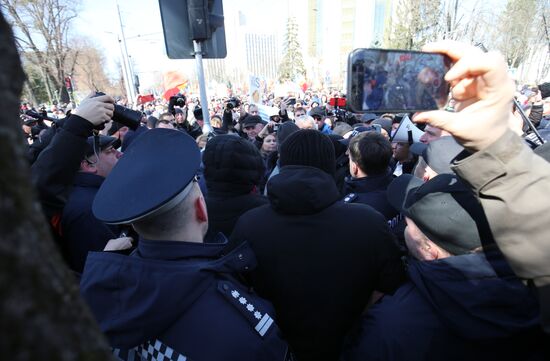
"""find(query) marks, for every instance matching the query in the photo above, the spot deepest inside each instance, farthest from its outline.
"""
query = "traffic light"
(186, 20)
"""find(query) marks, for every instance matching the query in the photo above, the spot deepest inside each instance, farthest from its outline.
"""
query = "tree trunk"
(42, 315)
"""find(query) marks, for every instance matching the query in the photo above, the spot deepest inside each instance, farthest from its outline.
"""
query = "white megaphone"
(407, 132)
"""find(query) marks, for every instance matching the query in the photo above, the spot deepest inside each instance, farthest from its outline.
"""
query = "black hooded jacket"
(233, 168)
(318, 259)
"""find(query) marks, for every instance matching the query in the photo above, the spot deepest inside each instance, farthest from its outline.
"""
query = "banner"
(142, 99)
(258, 89)
(174, 83)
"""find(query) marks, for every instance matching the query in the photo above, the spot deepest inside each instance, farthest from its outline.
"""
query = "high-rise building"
(336, 27)
(262, 55)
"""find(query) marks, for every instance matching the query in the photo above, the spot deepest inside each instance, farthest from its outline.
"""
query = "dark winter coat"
(457, 308)
(233, 169)
(371, 190)
(318, 259)
(54, 173)
(172, 299)
(81, 231)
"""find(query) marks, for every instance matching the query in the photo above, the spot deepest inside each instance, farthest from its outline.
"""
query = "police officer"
(369, 158)
(175, 297)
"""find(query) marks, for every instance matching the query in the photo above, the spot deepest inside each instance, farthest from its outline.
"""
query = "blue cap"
(154, 175)
(367, 117)
(359, 130)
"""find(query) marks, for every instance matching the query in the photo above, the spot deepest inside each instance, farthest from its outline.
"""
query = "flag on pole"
(174, 83)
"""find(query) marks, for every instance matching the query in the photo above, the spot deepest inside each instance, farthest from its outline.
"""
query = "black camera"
(178, 100)
(233, 103)
(125, 116)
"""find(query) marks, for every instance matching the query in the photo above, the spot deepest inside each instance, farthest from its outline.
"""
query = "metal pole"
(132, 94)
(527, 121)
(207, 128)
(518, 106)
(125, 75)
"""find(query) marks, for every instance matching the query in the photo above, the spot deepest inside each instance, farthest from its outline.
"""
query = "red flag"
(174, 83)
(142, 99)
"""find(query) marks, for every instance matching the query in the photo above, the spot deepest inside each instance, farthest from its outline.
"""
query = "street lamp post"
(125, 73)
(126, 59)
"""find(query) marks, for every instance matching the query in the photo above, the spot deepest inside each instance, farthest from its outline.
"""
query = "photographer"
(69, 172)
(233, 113)
(265, 141)
(177, 107)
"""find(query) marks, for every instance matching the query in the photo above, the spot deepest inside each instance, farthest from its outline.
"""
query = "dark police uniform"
(172, 300)
(371, 191)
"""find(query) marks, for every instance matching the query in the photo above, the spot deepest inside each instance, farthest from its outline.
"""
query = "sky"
(98, 21)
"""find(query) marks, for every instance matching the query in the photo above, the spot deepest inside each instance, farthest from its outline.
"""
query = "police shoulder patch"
(350, 198)
(258, 318)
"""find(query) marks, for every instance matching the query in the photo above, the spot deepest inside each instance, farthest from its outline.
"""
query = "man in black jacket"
(233, 169)
(69, 172)
(319, 260)
(369, 166)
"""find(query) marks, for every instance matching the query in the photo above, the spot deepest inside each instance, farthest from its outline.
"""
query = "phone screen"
(393, 81)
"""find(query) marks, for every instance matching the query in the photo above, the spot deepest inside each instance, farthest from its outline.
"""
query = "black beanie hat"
(197, 113)
(308, 147)
(285, 129)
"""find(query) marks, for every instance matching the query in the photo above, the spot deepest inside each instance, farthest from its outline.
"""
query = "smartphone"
(396, 81)
(291, 101)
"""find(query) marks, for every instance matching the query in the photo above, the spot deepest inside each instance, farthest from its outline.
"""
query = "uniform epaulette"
(350, 198)
(256, 316)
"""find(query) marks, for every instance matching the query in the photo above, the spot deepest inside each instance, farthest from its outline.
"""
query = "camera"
(178, 100)
(233, 103)
(125, 116)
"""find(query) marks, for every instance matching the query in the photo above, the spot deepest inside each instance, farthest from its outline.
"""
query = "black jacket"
(318, 259)
(81, 231)
(224, 209)
(371, 190)
(233, 168)
(456, 308)
(55, 173)
(173, 300)
(54, 170)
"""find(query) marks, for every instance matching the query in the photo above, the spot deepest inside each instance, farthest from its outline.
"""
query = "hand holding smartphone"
(395, 81)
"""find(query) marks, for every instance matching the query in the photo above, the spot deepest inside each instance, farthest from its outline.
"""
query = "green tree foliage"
(292, 65)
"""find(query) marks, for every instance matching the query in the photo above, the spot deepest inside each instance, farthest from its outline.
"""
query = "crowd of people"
(295, 230)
